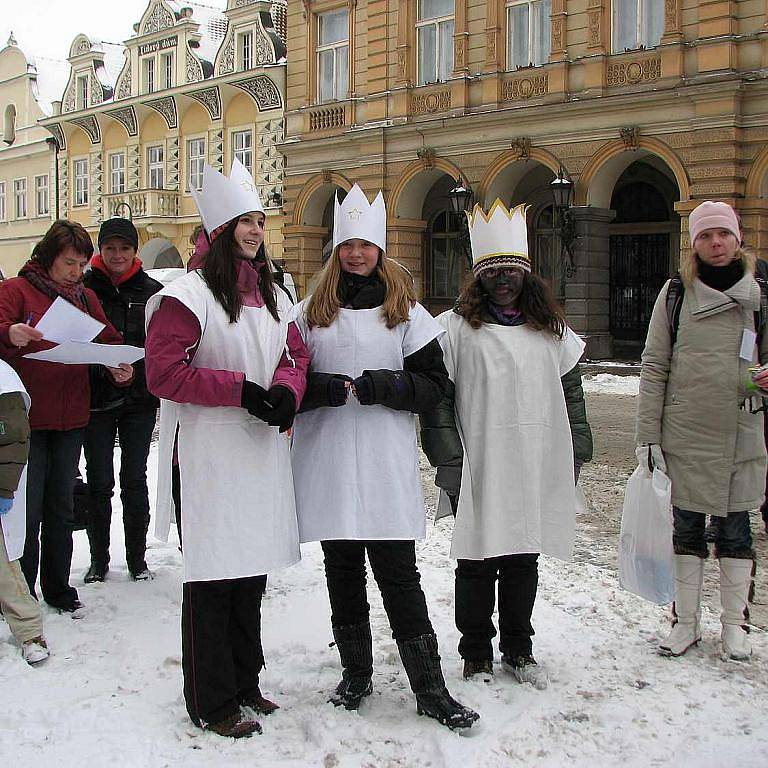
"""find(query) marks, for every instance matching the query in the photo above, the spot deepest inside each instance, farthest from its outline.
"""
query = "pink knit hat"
(711, 215)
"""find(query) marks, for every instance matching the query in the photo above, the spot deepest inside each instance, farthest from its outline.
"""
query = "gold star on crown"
(355, 214)
(248, 187)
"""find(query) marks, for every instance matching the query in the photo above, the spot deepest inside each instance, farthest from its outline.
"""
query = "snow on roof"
(52, 78)
(212, 21)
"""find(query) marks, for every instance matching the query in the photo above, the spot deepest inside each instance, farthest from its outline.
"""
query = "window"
(149, 75)
(167, 65)
(333, 55)
(117, 173)
(41, 195)
(529, 36)
(242, 148)
(81, 181)
(434, 35)
(20, 197)
(155, 168)
(82, 92)
(637, 23)
(9, 124)
(3, 214)
(195, 163)
(246, 50)
(446, 258)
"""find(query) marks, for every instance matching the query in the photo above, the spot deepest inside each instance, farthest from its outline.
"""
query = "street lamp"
(460, 198)
(562, 191)
(119, 207)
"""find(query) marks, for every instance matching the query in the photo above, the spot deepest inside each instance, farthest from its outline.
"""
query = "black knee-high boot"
(356, 652)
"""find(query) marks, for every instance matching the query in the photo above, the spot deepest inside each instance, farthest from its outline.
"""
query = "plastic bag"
(646, 557)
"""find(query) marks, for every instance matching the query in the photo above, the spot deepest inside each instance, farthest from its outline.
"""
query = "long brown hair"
(400, 295)
(220, 274)
(536, 303)
(61, 235)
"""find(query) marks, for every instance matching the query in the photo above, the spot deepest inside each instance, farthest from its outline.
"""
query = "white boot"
(735, 580)
(686, 631)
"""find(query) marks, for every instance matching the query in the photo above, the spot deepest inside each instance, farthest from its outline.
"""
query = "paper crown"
(499, 239)
(356, 217)
(222, 199)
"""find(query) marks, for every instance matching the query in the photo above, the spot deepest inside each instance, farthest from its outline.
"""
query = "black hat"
(119, 228)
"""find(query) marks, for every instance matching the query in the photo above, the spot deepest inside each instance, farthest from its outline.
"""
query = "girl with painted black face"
(376, 361)
(508, 440)
(232, 370)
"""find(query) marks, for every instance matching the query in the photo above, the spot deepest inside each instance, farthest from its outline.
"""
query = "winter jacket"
(14, 442)
(692, 399)
(124, 305)
(60, 394)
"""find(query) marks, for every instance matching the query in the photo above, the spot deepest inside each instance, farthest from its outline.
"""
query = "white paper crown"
(499, 239)
(356, 217)
(222, 199)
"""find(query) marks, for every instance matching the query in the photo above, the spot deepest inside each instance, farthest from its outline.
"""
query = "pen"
(29, 318)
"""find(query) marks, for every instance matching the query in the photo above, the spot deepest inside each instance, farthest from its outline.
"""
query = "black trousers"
(221, 652)
(51, 472)
(518, 577)
(394, 568)
(133, 427)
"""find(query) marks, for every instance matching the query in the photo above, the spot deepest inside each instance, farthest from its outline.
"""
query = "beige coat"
(691, 397)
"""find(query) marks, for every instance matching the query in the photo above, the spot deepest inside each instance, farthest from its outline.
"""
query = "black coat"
(124, 305)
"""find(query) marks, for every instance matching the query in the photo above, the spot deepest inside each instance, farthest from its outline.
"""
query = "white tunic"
(238, 511)
(517, 488)
(356, 467)
(14, 521)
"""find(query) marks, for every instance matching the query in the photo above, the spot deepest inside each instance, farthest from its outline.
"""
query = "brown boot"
(236, 726)
(258, 703)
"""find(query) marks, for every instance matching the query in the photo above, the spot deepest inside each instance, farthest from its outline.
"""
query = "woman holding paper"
(60, 397)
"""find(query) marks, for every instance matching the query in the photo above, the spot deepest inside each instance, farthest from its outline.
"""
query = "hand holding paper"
(64, 322)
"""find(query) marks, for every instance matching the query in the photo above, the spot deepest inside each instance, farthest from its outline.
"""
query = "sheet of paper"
(86, 352)
(65, 322)
(748, 340)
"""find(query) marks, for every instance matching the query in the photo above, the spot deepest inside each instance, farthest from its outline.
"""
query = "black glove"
(254, 400)
(364, 389)
(338, 391)
(283, 405)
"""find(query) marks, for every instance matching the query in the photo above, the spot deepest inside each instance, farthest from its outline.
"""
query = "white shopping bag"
(646, 557)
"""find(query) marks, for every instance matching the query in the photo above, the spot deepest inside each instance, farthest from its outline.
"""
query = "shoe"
(258, 703)
(97, 572)
(472, 668)
(356, 653)
(735, 581)
(236, 726)
(142, 573)
(686, 629)
(76, 610)
(35, 650)
(526, 670)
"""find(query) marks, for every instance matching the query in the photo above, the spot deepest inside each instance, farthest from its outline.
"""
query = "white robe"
(356, 467)
(14, 521)
(238, 512)
(517, 485)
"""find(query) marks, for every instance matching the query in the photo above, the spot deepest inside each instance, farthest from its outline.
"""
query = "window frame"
(641, 40)
(334, 47)
(113, 170)
(201, 159)
(3, 206)
(158, 166)
(82, 94)
(436, 22)
(242, 37)
(168, 71)
(148, 74)
(17, 188)
(45, 209)
(80, 197)
(532, 36)
(251, 149)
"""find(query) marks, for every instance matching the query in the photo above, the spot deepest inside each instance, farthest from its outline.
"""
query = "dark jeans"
(764, 508)
(221, 653)
(51, 472)
(733, 537)
(518, 577)
(394, 567)
(134, 429)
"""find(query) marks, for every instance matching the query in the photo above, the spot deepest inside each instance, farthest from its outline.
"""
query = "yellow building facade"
(647, 106)
(137, 122)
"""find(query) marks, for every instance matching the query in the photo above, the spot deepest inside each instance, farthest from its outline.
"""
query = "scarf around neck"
(37, 275)
(720, 278)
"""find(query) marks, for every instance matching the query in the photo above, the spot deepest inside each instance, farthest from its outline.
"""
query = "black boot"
(96, 572)
(356, 653)
(422, 665)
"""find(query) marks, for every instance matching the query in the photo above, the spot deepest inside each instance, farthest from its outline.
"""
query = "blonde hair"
(324, 303)
(689, 268)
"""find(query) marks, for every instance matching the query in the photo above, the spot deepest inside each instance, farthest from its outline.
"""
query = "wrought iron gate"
(639, 267)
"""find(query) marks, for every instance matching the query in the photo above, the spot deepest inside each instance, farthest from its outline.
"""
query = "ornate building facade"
(136, 122)
(647, 106)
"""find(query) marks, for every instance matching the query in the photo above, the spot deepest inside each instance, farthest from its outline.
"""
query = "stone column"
(405, 238)
(587, 293)
(302, 253)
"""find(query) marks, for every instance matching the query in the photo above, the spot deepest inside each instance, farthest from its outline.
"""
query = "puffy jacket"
(14, 442)
(124, 305)
(60, 394)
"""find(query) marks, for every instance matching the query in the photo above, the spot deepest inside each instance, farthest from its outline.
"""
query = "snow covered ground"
(608, 383)
(110, 695)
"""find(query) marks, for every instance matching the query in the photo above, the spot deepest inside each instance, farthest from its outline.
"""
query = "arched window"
(446, 258)
(9, 124)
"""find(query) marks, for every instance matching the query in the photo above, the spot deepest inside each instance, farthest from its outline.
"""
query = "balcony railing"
(144, 203)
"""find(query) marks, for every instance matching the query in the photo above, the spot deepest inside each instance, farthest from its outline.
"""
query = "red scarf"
(37, 275)
(98, 263)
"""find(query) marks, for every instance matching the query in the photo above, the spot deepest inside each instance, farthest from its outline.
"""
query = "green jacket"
(14, 442)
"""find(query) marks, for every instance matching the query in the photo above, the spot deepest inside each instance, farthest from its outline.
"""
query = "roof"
(213, 24)
(51, 80)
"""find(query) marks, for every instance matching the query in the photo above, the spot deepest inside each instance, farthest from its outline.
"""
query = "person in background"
(128, 413)
(697, 423)
(61, 396)
(508, 439)
(21, 611)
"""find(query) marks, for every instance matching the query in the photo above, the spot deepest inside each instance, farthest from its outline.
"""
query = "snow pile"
(610, 384)
(111, 692)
